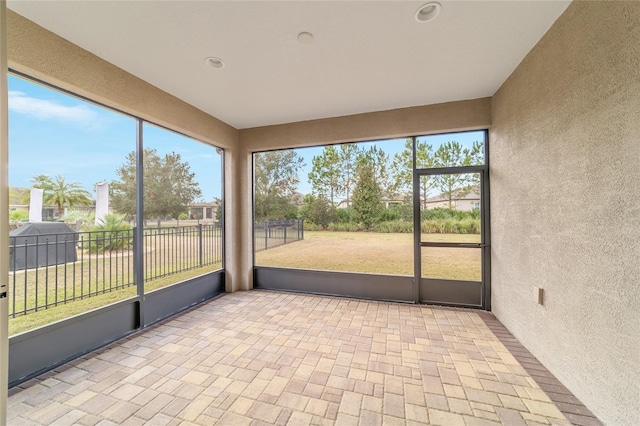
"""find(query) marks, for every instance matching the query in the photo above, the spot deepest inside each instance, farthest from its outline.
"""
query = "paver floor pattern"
(260, 357)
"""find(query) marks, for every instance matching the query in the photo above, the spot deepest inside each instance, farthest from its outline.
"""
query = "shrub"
(345, 227)
(451, 226)
(85, 219)
(390, 214)
(110, 235)
(309, 226)
(18, 215)
(395, 226)
(444, 213)
(344, 215)
(183, 216)
(322, 212)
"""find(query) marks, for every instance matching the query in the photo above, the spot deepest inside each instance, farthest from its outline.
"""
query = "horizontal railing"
(52, 269)
(178, 249)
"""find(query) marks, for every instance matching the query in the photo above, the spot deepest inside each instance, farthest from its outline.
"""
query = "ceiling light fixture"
(428, 12)
(214, 62)
(305, 37)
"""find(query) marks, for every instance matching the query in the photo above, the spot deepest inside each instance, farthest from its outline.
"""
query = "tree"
(169, 185)
(304, 211)
(322, 212)
(58, 192)
(452, 154)
(348, 156)
(379, 161)
(219, 209)
(325, 173)
(402, 169)
(366, 196)
(276, 181)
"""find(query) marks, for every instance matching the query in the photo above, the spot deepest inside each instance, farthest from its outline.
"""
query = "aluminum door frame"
(421, 284)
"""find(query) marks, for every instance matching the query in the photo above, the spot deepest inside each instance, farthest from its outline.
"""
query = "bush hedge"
(431, 226)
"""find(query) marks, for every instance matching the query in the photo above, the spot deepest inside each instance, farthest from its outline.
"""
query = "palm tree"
(18, 195)
(60, 193)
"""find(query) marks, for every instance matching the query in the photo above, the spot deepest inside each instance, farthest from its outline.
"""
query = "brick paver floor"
(260, 357)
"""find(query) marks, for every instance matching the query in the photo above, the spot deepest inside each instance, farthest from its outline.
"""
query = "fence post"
(200, 242)
(286, 224)
(266, 234)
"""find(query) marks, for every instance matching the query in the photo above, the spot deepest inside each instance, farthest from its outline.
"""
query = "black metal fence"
(182, 248)
(273, 233)
(52, 269)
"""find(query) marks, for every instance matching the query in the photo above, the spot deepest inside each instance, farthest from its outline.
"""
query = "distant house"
(206, 210)
(386, 201)
(391, 201)
(343, 204)
(467, 202)
(298, 199)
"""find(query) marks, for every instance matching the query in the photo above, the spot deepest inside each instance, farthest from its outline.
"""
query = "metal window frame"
(77, 335)
(348, 284)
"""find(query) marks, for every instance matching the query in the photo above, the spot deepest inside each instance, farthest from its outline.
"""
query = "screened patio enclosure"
(554, 258)
(447, 260)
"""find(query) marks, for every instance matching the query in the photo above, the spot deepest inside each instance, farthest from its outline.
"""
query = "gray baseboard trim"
(392, 288)
(37, 351)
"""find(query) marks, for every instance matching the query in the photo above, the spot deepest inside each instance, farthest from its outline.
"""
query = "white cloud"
(49, 110)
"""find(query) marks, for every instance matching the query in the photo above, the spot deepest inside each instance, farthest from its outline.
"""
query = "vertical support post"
(4, 217)
(200, 242)
(417, 250)
(286, 225)
(138, 237)
(485, 220)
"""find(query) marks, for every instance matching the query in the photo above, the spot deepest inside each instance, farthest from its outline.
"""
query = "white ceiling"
(365, 56)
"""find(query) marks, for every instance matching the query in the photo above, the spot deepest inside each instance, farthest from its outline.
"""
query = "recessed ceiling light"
(428, 12)
(214, 62)
(305, 37)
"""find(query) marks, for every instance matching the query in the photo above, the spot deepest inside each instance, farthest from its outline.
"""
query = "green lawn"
(64, 310)
(377, 253)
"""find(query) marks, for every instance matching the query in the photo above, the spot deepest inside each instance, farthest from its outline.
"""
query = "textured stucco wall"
(565, 202)
(439, 118)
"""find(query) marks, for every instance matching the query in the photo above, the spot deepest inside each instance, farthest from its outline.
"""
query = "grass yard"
(377, 253)
(64, 310)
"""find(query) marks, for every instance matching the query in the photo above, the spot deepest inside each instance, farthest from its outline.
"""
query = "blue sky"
(53, 133)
